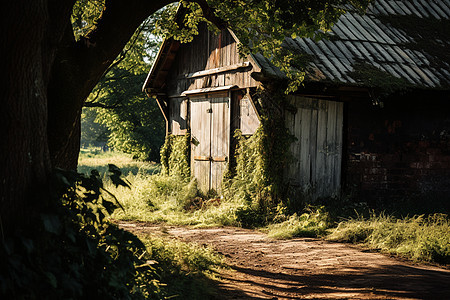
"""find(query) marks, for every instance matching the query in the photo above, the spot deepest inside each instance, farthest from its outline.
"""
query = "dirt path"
(262, 268)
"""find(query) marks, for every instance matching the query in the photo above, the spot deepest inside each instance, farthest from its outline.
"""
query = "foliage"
(117, 106)
(93, 133)
(136, 127)
(257, 180)
(184, 267)
(72, 251)
(312, 223)
(85, 16)
(419, 238)
(175, 156)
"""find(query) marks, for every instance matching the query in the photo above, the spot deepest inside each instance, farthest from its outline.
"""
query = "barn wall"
(208, 51)
(401, 150)
(178, 116)
(317, 151)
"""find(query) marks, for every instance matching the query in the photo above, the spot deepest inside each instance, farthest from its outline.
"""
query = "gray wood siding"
(178, 114)
(210, 130)
(206, 52)
(317, 125)
(249, 119)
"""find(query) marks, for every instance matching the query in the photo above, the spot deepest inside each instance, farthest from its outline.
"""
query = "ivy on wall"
(175, 156)
(258, 173)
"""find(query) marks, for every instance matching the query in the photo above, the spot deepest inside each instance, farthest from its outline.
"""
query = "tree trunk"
(27, 50)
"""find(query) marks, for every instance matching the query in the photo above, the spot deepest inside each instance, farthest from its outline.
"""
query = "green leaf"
(51, 279)
(51, 223)
(109, 206)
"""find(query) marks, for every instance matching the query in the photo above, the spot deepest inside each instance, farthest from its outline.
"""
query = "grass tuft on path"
(420, 238)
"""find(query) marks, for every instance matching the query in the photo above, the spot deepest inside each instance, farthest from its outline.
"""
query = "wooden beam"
(217, 70)
(255, 106)
(164, 107)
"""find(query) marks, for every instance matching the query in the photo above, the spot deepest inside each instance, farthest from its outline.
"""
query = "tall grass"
(312, 223)
(420, 238)
(158, 198)
(185, 269)
(170, 199)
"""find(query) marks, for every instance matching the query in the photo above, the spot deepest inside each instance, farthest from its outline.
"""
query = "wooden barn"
(372, 117)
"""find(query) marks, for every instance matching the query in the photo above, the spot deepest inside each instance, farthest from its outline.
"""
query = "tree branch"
(101, 105)
(208, 13)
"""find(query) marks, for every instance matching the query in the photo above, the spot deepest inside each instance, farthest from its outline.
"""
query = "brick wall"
(400, 150)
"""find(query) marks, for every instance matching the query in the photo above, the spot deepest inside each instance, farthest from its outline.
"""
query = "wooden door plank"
(338, 141)
(313, 141)
(200, 132)
(330, 149)
(321, 142)
(220, 138)
(304, 142)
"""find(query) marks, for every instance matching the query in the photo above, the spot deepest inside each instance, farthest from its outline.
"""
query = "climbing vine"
(258, 174)
(175, 156)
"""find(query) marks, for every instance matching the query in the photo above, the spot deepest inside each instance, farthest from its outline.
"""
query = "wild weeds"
(184, 268)
(312, 223)
(420, 238)
(170, 199)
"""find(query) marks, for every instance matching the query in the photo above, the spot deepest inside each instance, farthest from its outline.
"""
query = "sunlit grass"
(186, 270)
(312, 223)
(418, 238)
(164, 199)
(155, 198)
(92, 158)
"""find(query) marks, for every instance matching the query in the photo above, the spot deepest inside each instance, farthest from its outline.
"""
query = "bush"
(72, 251)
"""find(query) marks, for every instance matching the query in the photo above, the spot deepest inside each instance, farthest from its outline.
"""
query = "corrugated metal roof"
(406, 39)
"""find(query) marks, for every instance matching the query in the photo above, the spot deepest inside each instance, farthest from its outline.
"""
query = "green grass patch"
(186, 270)
(93, 158)
(419, 238)
(170, 199)
(312, 223)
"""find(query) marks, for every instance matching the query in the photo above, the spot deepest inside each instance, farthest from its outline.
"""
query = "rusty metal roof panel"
(391, 38)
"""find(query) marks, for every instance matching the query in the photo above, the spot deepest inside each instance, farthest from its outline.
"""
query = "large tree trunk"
(28, 46)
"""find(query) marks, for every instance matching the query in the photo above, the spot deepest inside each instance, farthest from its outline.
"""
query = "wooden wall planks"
(208, 51)
(317, 125)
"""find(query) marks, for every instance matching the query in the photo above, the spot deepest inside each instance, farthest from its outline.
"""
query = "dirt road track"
(305, 268)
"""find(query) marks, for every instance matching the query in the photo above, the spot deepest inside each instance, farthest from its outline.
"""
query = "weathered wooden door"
(317, 125)
(210, 131)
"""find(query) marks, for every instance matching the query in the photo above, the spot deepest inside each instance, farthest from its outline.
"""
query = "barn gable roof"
(403, 42)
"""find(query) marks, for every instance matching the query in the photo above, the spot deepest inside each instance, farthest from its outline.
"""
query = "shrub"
(72, 251)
